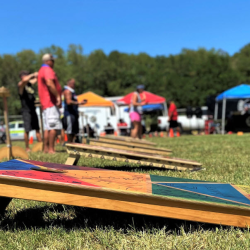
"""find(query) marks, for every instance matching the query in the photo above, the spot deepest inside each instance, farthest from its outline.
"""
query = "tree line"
(187, 78)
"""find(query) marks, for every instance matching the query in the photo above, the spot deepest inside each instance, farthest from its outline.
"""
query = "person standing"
(137, 101)
(71, 115)
(27, 96)
(49, 91)
(173, 117)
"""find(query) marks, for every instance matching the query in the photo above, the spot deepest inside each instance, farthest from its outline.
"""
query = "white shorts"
(51, 118)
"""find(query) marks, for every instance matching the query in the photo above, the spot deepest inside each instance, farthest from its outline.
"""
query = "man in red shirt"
(49, 91)
(172, 116)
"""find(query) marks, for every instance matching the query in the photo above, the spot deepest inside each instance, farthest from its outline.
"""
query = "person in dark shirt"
(71, 115)
(27, 97)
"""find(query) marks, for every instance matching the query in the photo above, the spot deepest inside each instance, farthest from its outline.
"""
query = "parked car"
(185, 123)
(17, 131)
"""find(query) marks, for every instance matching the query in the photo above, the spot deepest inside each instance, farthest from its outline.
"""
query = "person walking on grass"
(27, 96)
(137, 101)
(49, 91)
(173, 117)
(71, 115)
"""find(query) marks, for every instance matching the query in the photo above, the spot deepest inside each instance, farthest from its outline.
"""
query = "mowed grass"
(40, 225)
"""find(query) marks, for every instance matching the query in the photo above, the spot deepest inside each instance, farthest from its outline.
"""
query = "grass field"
(39, 225)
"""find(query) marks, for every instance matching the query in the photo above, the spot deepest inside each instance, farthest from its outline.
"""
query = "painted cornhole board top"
(131, 153)
(126, 139)
(162, 196)
(130, 145)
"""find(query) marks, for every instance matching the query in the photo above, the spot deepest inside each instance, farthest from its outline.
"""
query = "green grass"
(40, 225)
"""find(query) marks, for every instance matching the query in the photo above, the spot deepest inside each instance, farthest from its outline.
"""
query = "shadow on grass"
(70, 217)
(139, 168)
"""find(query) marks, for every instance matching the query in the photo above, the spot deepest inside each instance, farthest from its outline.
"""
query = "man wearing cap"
(27, 96)
(49, 91)
(135, 113)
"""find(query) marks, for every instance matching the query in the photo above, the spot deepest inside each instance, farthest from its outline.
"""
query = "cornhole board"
(161, 196)
(75, 150)
(119, 145)
(126, 139)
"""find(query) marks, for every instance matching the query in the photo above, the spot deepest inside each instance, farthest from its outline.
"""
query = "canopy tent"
(150, 98)
(149, 107)
(240, 91)
(94, 100)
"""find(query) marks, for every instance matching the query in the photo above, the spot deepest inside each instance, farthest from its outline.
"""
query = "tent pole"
(223, 116)
(165, 109)
(216, 111)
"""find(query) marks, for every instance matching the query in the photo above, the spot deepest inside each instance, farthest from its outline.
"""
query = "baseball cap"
(47, 57)
(140, 87)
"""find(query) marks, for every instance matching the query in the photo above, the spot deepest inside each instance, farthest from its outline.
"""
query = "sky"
(156, 27)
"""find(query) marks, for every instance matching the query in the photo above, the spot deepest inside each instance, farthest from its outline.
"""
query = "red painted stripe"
(47, 176)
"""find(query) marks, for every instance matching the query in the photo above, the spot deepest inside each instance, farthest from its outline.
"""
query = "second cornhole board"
(76, 150)
(119, 145)
(126, 139)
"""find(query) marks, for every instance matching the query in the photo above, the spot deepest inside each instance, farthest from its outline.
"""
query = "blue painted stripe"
(15, 165)
(224, 191)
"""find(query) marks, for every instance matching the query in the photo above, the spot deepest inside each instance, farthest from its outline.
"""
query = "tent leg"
(223, 116)
(216, 111)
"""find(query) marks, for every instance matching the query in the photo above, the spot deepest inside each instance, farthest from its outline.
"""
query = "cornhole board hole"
(126, 139)
(120, 145)
(76, 150)
(161, 196)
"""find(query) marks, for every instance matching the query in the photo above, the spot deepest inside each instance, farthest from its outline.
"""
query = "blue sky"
(159, 27)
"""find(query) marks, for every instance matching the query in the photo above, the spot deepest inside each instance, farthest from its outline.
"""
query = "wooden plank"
(193, 200)
(126, 139)
(131, 157)
(72, 159)
(128, 146)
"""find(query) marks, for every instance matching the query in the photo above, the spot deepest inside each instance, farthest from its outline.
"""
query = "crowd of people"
(50, 94)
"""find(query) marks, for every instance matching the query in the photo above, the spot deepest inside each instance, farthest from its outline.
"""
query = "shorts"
(71, 124)
(135, 117)
(173, 124)
(51, 118)
(30, 121)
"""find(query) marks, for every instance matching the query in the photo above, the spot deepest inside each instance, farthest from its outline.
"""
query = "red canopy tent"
(150, 99)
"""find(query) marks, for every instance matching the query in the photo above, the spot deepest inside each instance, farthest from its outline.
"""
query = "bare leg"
(139, 130)
(46, 141)
(62, 136)
(38, 136)
(26, 139)
(52, 137)
(134, 132)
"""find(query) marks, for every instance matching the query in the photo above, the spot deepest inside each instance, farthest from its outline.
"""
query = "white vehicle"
(17, 131)
(185, 123)
(98, 118)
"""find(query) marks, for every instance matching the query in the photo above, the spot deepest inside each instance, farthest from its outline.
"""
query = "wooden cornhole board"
(75, 150)
(128, 146)
(125, 143)
(126, 139)
(161, 196)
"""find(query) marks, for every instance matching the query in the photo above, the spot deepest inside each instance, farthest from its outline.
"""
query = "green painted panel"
(171, 192)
